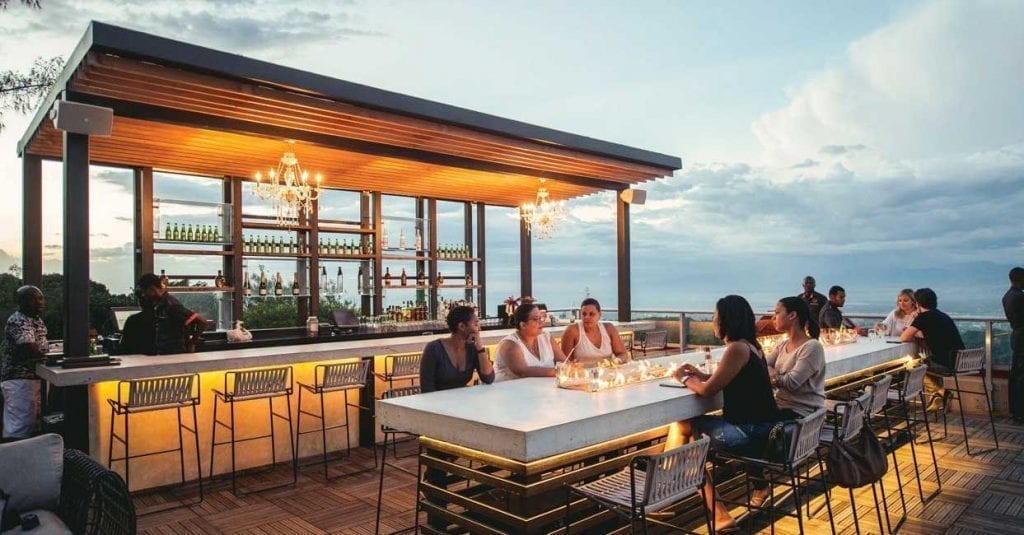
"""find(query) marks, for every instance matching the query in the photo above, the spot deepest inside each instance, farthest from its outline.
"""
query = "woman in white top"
(528, 352)
(903, 315)
(598, 342)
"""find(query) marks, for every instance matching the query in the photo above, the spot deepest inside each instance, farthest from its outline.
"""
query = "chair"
(390, 431)
(152, 395)
(341, 377)
(970, 362)
(801, 452)
(848, 421)
(627, 342)
(400, 367)
(875, 411)
(911, 389)
(252, 385)
(649, 484)
(65, 489)
(652, 340)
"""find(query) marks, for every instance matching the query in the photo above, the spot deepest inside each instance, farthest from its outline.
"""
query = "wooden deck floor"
(983, 494)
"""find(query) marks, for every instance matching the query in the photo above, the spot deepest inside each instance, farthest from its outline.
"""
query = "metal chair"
(911, 389)
(848, 421)
(400, 367)
(649, 484)
(801, 453)
(627, 342)
(341, 377)
(652, 340)
(390, 431)
(875, 412)
(252, 385)
(970, 362)
(150, 395)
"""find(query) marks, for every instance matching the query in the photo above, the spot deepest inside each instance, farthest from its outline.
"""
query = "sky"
(877, 145)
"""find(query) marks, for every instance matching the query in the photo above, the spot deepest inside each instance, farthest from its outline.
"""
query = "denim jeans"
(731, 437)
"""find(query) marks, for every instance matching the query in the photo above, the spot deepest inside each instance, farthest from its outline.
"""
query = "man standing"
(1013, 306)
(164, 326)
(24, 345)
(940, 334)
(813, 299)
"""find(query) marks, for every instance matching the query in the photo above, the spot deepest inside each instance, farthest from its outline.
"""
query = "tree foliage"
(21, 91)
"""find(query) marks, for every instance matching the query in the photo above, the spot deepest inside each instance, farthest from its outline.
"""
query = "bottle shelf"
(409, 258)
(193, 252)
(272, 296)
(276, 256)
(185, 202)
(190, 242)
(356, 257)
(252, 225)
(468, 259)
(200, 289)
(344, 230)
(407, 287)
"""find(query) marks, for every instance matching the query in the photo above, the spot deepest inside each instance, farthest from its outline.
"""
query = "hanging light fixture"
(289, 188)
(543, 215)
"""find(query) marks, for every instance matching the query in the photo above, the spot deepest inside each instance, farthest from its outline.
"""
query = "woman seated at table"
(749, 411)
(599, 341)
(450, 362)
(528, 352)
(903, 315)
(797, 367)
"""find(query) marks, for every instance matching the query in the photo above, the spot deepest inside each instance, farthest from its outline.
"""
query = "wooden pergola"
(183, 108)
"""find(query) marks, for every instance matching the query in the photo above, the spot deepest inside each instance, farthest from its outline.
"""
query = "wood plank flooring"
(983, 494)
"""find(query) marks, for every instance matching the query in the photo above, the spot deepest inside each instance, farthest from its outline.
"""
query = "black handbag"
(780, 437)
(857, 463)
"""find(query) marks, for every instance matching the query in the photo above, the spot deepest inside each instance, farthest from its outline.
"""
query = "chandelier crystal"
(543, 215)
(289, 188)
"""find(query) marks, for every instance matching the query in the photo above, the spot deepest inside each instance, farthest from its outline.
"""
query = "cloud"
(836, 150)
(806, 164)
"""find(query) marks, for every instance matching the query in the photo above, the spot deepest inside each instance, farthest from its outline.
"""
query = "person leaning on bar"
(749, 410)
(450, 362)
(939, 333)
(164, 325)
(24, 345)
(529, 351)
(578, 340)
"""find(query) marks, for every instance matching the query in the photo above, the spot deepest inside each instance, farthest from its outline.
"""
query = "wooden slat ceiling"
(193, 149)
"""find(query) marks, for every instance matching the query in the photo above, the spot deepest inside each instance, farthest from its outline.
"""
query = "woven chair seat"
(614, 489)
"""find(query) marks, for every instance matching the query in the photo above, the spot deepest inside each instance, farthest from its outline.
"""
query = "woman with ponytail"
(797, 367)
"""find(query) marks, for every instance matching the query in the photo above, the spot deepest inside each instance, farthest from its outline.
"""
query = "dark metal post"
(622, 242)
(76, 245)
(32, 220)
(378, 263)
(366, 222)
(481, 272)
(525, 260)
(468, 240)
(233, 270)
(432, 295)
(144, 224)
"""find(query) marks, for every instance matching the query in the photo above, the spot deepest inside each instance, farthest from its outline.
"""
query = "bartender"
(164, 326)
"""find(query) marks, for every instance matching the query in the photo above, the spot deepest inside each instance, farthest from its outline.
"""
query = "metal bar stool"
(401, 367)
(327, 378)
(848, 420)
(970, 362)
(627, 341)
(650, 483)
(911, 389)
(150, 395)
(390, 394)
(801, 454)
(875, 413)
(252, 385)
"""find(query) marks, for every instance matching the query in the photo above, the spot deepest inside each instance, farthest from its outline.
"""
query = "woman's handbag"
(780, 438)
(857, 463)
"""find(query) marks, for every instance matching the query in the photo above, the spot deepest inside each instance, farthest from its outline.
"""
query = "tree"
(21, 91)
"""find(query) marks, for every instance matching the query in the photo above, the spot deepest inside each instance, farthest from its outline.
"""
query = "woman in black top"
(749, 410)
(450, 362)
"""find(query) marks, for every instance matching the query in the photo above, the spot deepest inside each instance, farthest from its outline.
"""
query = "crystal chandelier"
(542, 215)
(289, 188)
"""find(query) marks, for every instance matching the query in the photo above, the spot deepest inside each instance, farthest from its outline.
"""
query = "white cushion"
(31, 472)
(49, 524)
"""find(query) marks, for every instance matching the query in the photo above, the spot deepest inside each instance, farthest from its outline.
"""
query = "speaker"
(78, 118)
(634, 196)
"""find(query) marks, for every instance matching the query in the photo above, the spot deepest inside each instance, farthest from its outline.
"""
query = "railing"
(693, 327)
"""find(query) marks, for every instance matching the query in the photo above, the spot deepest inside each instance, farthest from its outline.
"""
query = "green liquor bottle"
(176, 234)
(168, 233)
(190, 235)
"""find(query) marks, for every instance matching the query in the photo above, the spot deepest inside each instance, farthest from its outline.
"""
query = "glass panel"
(502, 257)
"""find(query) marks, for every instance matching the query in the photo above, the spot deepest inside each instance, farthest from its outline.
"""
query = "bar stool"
(627, 341)
(400, 367)
(390, 394)
(913, 387)
(342, 377)
(875, 412)
(252, 385)
(848, 417)
(650, 483)
(970, 362)
(151, 395)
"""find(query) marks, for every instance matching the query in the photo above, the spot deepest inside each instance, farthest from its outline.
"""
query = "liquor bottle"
(279, 246)
(216, 234)
(709, 361)
(320, 247)
(405, 279)
(384, 236)
(401, 238)
(419, 240)
(246, 286)
(323, 279)
(421, 279)
(440, 279)
(292, 248)
(176, 234)
(219, 281)
(359, 281)
(257, 245)
(340, 284)
(163, 279)
(263, 283)
(190, 236)
(200, 232)
(469, 279)
(295, 284)
(387, 277)
(168, 233)
(278, 284)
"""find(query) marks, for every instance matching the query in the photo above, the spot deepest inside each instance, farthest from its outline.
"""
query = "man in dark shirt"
(830, 316)
(813, 299)
(1013, 306)
(163, 326)
(940, 334)
(24, 346)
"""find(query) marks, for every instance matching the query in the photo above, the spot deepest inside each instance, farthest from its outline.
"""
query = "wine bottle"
(320, 247)
(216, 234)
(168, 233)
(292, 248)
(440, 279)
(278, 284)
(421, 279)
(190, 236)
(359, 281)
(246, 285)
(340, 284)
(383, 236)
(469, 279)
(387, 277)
(419, 240)
(401, 238)
(263, 283)
(295, 284)
(323, 280)
(219, 281)
(176, 234)
(404, 277)
(163, 279)
(279, 245)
